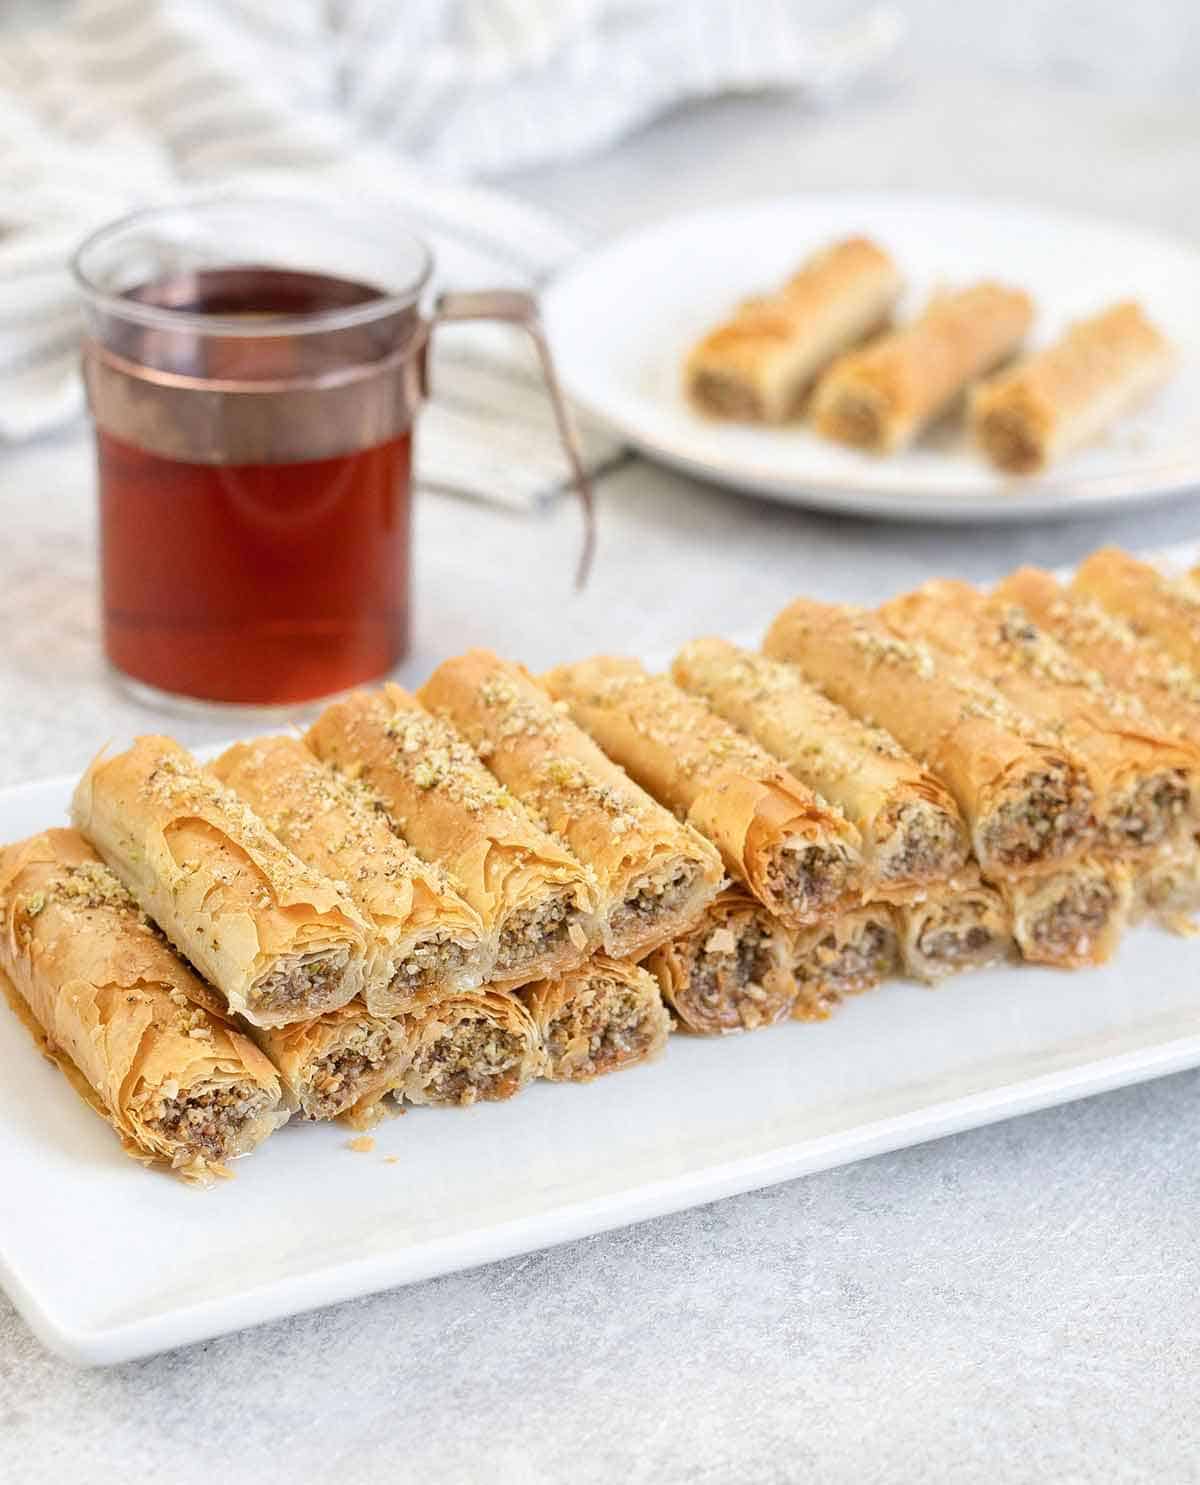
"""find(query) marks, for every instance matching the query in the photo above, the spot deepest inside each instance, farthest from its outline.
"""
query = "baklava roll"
(910, 826)
(1025, 798)
(1168, 885)
(758, 365)
(1165, 610)
(423, 935)
(464, 1048)
(963, 924)
(341, 1063)
(1168, 690)
(605, 1015)
(853, 953)
(881, 397)
(1142, 776)
(654, 875)
(1070, 392)
(1074, 917)
(732, 972)
(537, 903)
(278, 940)
(799, 857)
(138, 1034)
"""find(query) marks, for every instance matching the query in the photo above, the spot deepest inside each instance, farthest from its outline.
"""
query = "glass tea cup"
(254, 368)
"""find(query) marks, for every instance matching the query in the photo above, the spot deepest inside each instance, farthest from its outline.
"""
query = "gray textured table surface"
(1019, 1303)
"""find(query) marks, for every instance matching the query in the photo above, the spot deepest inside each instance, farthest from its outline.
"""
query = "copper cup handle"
(514, 307)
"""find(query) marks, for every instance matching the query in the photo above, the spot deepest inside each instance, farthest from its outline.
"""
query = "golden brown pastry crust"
(1166, 610)
(1074, 917)
(910, 826)
(537, 902)
(1102, 641)
(1142, 777)
(962, 924)
(654, 875)
(759, 364)
(470, 1047)
(1025, 798)
(605, 1015)
(124, 1016)
(1068, 393)
(732, 972)
(340, 1064)
(801, 859)
(278, 940)
(881, 397)
(853, 953)
(423, 935)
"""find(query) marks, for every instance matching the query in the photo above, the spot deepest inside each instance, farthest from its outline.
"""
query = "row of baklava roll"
(822, 344)
(441, 897)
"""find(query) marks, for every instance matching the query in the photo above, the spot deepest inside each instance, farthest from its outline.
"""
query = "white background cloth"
(128, 102)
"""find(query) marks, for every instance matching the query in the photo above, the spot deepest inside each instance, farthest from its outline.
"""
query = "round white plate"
(621, 319)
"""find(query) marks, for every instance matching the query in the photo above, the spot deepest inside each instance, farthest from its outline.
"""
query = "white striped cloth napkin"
(132, 101)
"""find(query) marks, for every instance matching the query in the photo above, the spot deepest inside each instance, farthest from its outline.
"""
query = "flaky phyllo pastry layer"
(1141, 776)
(604, 1015)
(653, 874)
(799, 857)
(759, 364)
(140, 1035)
(960, 924)
(422, 934)
(732, 972)
(537, 903)
(1026, 797)
(853, 953)
(468, 1047)
(277, 939)
(911, 829)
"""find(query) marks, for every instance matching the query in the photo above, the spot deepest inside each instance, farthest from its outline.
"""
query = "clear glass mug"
(253, 369)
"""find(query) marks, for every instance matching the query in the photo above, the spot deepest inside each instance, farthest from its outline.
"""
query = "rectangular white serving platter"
(308, 1221)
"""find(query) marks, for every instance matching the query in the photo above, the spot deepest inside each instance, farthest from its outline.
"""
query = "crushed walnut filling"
(653, 898)
(833, 969)
(1044, 817)
(539, 929)
(921, 842)
(1072, 923)
(1149, 813)
(612, 1019)
(296, 983)
(473, 1059)
(431, 961)
(965, 940)
(212, 1123)
(729, 975)
(337, 1080)
(802, 878)
(726, 396)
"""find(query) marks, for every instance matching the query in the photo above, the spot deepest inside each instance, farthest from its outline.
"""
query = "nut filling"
(1044, 818)
(831, 970)
(730, 974)
(340, 1078)
(802, 879)
(308, 984)
(726, 396)
(430, 962)
(1150, 813)
(959, 944)
(1074, 921)
(212, 1124)
(923, 843)
(613, 1023)
(653, 898)
(531, 933)
(473, 1060)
